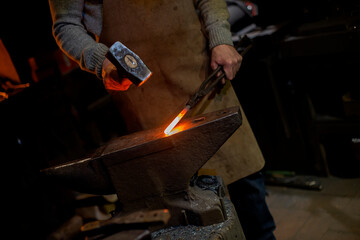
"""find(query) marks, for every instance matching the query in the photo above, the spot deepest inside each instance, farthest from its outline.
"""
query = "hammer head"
(128, 64)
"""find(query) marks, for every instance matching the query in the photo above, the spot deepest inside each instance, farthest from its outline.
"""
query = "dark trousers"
(248, 197)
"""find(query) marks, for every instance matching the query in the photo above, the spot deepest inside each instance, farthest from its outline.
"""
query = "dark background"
(291, 85)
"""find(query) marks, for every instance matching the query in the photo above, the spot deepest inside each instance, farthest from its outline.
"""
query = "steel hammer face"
(128, 64)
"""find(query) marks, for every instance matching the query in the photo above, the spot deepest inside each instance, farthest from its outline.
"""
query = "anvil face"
(149, 165)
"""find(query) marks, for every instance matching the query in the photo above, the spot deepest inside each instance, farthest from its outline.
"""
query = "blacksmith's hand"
(111, 78)
(228, 57)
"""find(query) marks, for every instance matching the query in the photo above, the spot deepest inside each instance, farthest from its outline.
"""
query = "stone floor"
(332, 213)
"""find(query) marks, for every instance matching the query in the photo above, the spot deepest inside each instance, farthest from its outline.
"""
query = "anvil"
(151, 170)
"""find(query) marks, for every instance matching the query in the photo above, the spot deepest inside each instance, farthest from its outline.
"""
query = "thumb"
(213, 65)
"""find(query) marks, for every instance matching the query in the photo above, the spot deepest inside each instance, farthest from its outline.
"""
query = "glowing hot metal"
(176, 120)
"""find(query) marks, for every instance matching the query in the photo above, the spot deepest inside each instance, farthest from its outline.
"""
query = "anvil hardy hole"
(200, 119)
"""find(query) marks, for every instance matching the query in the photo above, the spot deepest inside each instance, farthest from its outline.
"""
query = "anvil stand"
(150, 171)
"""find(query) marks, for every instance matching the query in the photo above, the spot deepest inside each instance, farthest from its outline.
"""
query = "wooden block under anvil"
(151, 170)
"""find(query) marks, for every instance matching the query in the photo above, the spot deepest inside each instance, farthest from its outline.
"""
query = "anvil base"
(229, 229)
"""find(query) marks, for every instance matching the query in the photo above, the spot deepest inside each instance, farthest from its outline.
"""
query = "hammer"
(128, 64)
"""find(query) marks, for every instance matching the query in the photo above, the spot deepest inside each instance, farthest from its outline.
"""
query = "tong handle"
(206, 87)
(209, 84)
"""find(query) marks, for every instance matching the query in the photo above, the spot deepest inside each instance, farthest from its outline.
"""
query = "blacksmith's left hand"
(228, 57)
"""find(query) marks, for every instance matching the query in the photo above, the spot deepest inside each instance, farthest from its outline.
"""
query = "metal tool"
(212, 81)
(206, 87)
(128, 64)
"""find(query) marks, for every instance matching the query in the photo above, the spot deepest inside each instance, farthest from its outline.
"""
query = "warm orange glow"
(176, 120)
(177, 129)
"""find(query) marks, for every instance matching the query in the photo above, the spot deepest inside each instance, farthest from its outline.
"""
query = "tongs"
(206, 87)
(211, 82)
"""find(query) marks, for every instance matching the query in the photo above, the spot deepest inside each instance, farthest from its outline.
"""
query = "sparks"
(176, 120)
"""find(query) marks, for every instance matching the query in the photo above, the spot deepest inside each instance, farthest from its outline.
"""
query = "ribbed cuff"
(99, 57)
(219, 36)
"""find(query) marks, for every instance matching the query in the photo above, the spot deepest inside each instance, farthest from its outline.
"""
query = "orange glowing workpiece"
(176, 120)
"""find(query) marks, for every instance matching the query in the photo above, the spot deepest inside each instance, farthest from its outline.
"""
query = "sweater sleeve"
(73, 38)
(215, 15)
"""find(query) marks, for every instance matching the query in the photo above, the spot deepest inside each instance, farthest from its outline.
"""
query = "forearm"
(72, 37)
(214, 14)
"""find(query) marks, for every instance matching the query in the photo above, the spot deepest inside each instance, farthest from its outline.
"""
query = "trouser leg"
(248, 197)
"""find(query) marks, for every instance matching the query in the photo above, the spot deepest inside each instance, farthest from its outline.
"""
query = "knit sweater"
(77, 25)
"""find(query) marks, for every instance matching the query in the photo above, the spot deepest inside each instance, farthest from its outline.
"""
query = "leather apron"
(167, 36)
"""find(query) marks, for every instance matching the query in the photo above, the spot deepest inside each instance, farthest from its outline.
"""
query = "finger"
(114, 85)
(228, 72)
(110, 84)
(126, 83)
(114, 75)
